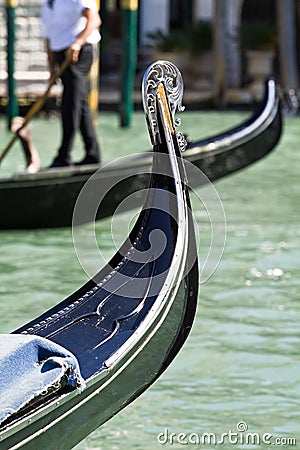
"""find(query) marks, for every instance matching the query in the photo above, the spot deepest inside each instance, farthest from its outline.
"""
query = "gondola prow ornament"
(163, 81)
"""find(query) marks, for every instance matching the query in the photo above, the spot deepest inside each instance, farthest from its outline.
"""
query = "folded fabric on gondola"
(31, 368)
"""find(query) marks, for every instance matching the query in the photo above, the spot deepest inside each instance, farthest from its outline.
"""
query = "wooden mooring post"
(129, 9)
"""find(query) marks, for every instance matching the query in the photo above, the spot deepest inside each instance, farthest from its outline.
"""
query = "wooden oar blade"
(35, 108)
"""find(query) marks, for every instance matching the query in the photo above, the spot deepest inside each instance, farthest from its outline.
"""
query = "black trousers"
(75, 111)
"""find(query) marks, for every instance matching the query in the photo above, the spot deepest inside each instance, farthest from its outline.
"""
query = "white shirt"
(62, 23)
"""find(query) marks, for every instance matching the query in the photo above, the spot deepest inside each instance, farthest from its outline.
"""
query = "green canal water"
(238, 376)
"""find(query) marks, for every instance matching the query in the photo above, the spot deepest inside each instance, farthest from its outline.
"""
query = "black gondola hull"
(128, 322)
(47, 199)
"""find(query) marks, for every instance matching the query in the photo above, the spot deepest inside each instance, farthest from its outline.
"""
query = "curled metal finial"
(168, 74)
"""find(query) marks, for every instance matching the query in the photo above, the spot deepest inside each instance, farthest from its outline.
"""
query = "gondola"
(47, 199)
(117, 334)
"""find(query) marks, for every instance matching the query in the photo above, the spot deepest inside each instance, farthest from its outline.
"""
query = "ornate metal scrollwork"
(168, 74)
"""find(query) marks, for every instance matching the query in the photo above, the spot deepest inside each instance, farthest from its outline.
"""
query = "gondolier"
(70, 28)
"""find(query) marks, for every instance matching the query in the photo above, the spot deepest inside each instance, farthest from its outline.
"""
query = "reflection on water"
(240, 367)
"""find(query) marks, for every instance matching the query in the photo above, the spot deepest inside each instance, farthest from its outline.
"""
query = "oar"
(35, 108)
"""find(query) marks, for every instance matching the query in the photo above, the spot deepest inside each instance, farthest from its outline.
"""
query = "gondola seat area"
(33, 368)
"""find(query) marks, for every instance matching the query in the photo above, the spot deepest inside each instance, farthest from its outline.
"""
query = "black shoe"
(88, 160)
(59, 163)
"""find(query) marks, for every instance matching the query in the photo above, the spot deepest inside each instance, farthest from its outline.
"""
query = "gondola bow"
(125, 326)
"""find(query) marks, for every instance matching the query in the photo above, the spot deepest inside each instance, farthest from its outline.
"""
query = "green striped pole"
(128, 62)
(12, 106)
(93, 80)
